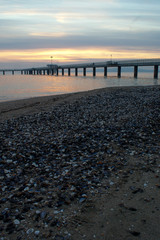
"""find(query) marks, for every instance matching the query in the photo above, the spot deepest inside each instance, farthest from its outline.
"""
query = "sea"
(15, 87)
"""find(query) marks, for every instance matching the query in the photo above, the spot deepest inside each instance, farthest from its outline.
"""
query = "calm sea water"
(14, 87)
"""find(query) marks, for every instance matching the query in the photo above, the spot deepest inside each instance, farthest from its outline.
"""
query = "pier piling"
(135, 71)
(156, 71)
(94, 71)
(119, 71)
(105, 71)
(76, 71)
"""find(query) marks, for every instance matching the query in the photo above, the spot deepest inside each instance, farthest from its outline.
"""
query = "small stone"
(4, 188)
(37, 232)
(81, 200)
(38, 211)
(29, 231)
(16, 222)
(9, 161)
(132, 153)
(56, 212)
(34, 164)
(111, 183)
(43, 214)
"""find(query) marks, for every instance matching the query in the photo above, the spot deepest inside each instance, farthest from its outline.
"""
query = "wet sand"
(81, 166)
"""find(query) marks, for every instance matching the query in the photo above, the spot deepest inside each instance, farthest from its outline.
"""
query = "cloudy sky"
(32, 31)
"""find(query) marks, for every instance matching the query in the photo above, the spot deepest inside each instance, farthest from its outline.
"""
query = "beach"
(81, 166)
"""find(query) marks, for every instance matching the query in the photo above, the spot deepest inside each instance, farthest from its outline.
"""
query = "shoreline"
(20, 107)
(81, 166)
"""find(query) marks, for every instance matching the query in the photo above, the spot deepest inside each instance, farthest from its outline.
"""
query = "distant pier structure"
(53, 69)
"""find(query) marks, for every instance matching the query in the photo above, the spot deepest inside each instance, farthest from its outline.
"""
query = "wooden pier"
(52, 69)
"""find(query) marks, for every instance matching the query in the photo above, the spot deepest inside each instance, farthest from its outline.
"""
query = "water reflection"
(25, 86)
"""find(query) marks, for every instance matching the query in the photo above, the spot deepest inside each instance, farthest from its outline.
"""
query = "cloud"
(68, 24)
(113, 39)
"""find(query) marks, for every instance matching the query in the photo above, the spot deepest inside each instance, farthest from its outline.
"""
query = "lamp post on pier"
(51, 59)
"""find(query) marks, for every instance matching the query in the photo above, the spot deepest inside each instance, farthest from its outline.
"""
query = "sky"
(71, 31)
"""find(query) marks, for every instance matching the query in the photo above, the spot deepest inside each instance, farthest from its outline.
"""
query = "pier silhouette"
(53, 69)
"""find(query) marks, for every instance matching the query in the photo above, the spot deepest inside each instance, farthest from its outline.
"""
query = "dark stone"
(1, 228)
(26, 208)
(55, 223)
(50, 204)
(43, 214)
(10, 228)
(134, 233)
(59, 237)
(49, 219)
(19, 238)
(138, 190)
(59, 203)
(132, 209)
(3, 200)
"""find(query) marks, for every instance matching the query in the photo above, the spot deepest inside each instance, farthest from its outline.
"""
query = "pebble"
(81, 200)
(43, 214)
(37, 232)
(29, 231)
(16, 222)
(134, 233)
(111, 183)
(38, 211)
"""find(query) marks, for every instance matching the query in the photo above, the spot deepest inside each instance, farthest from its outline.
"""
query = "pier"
(53, 69)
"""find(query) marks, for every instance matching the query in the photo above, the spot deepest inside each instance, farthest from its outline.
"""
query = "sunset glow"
(73, 55)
